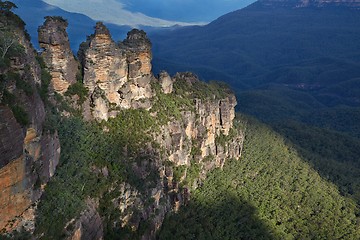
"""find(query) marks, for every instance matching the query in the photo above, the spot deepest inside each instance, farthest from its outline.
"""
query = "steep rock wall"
(193, 133)
(28, 154)
(57, 54)
(117, 75)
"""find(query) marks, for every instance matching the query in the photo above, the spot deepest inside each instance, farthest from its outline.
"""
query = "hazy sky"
(151, 12)
(185, 10)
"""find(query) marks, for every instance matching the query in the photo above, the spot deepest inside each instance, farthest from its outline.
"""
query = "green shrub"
(45, 83)
(8, 98)
(178, 172)
(25, 86)
(78, 89)
(20, 115)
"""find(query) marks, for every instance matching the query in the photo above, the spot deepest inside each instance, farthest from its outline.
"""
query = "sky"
(151, 12)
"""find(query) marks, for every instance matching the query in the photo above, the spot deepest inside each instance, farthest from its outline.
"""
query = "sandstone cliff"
(120, 177)
(54, 41)
(28, 153)
(117, 75)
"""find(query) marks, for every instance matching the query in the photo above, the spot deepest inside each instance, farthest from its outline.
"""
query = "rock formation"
(193, 133)
(166, 82)
(117, 75)
(89, 225)
(28, 154)
(54, 41)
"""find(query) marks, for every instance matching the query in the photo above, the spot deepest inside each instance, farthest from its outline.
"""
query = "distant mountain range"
(307, 46)
(309, 3)
(122, 15)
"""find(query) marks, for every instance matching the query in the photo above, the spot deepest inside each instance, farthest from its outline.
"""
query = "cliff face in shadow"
(29, 153)
(216, 220)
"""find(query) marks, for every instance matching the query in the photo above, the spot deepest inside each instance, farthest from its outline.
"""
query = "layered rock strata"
(117, 75)
(28, 154)
(57, 54)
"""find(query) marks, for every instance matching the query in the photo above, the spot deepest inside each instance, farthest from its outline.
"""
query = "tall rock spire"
(117, 75)
(57, 53)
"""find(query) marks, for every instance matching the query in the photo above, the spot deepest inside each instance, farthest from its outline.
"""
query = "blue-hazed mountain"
(293, 64)
(301, 45)
(34, 11)
(152, 150)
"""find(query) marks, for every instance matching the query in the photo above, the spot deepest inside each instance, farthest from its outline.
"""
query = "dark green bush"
(8, 98)
(20, 115)
(78, 89)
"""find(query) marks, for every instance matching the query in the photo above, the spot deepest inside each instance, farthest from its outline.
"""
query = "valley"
(261, 140)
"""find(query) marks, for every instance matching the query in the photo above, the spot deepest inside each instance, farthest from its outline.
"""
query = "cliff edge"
(134, 145)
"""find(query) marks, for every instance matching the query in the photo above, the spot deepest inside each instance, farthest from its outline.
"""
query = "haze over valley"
(180, 119)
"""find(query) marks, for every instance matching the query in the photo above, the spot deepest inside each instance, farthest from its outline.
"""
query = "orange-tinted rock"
(24, 158)
(15, 197)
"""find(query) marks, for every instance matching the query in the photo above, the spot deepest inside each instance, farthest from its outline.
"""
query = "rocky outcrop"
(89, 225)
(201, 137)
(205, 133)
(117, 75)
(189, 145)
(166, 82)
(57, 54)
(28, 154)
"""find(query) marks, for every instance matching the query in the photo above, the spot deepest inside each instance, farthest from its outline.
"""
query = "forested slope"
(272, 193)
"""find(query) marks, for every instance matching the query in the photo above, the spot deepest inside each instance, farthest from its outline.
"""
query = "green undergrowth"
(86, 149)
(96, 157)
(170, 106)
(197, 89)
(12, 100)
(271, 193)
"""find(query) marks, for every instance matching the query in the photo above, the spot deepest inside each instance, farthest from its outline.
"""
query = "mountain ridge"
(111, 149)
(355, 4)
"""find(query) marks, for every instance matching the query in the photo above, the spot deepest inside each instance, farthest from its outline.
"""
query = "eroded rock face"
(166, 82)
(11, 137)
(89, 225)
(201, 129)
(117, 75)
(203, 137)
(28, 154)
(57, 54)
